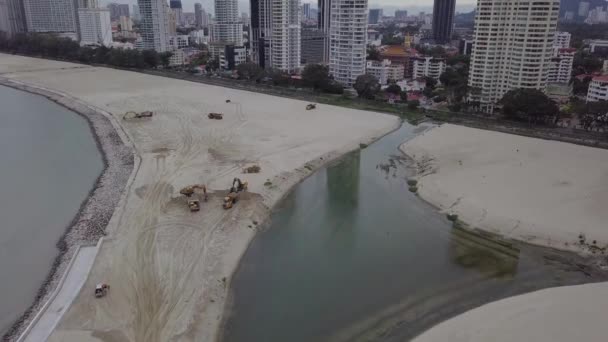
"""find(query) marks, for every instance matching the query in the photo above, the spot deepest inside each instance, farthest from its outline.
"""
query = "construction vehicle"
(101, 290)
(231, 199)
(227, 101)
(190, 193)
(311, 106)
(194, 204)
(252, 169)
(135, 115)
(233, 196)
(216, 116)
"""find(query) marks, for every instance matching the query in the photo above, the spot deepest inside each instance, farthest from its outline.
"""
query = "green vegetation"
(413, 189)
(51, 46)
(367, 86)
(529, 105)
(412, 182)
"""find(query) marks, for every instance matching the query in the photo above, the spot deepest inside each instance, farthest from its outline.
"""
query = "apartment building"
(427, 66)
(598, 89)
(513, 47)
(560, 69)
(347, 40)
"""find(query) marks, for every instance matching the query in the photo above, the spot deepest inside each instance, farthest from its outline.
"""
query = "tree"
(393, 89)
(249, 71)
(580, 87)
(367, 86)
(165, 58)
(372, 53)
(278, 77)
(213, 64)
(413, 104)
(151, 58)
(333, 87)
(531, 105)
(315, 75)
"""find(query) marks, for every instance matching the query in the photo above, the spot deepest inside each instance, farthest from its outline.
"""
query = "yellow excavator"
(191, 194)
(233, 196)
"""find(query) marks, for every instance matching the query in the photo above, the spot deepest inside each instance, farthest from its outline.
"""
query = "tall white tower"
(154, 24)
(227, 27)
(347, 40)
(513, 48)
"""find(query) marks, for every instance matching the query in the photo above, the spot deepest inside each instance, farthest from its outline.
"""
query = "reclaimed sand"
(170, 269)
(539, 191)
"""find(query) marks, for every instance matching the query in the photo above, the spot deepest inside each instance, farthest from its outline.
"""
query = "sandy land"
(170, 269)
(540, 191)
(561, 314)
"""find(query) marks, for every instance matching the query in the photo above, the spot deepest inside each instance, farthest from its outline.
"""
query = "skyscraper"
(323, 22)
(154, 24)
(135, 15)
(95, 26)
(57, 16)
(513, 48)
(443, 20)
(200, 16)
(275, 34)
(118, 10)
(375, 14)
(306, 11)
(400, 14)
(227, 27)
(12, 17)
(347, 40)
(176, 7)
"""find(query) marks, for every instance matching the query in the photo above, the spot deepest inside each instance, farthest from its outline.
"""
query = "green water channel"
(352, 255)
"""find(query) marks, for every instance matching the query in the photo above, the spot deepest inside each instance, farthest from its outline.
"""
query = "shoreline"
(168, 162)
(96, 210)
(297, 176)
(427, 164)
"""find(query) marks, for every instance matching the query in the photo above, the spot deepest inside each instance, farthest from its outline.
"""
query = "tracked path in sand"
(170, 269)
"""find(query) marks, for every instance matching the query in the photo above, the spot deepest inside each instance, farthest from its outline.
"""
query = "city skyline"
(391, 5)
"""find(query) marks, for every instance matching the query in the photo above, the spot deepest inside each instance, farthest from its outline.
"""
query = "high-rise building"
(562, 40)
(400, 14)
(443, 20)
(306, 11)
(583, 9)
(125, 24)
(12, 17)
(88, 4)
(95, 26)
(135, 15)
(200, 16)
(59, 16)
(275, 34)
(227, 27)
(176, 8)
(118, 10)
(347, 40)
(313, 43)
(154, 24)
(323, 22)
(513, 48)
(375, 14)
(560, 67)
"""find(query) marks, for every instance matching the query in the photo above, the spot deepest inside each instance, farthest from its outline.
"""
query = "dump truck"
(215, 116)
(311, 106)
(192, 196)
(194, 204)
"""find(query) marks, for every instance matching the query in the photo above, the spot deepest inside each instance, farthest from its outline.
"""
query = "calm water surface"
(48, 164)
(352, 255)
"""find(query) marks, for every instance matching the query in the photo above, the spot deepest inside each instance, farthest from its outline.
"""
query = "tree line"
(52, 46)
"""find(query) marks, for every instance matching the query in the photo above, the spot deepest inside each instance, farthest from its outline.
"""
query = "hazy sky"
(412, 5)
